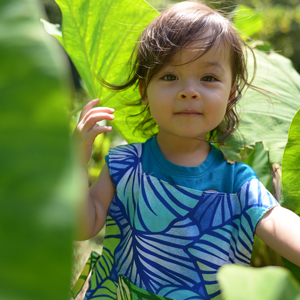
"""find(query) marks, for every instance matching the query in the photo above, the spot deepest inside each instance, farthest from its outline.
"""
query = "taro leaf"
(247, 21)
(268, 283)
(264, 120)
(291, 178)
(291, 168)
(38, 191)
(99, 37)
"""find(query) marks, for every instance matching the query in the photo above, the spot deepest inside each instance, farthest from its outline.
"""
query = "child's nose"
(189, 92)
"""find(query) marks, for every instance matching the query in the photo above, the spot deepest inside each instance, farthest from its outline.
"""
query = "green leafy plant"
(39, 187)
(263, 120)
(100, 44)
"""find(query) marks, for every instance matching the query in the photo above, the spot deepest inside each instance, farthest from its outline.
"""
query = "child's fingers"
(92, 134)
(91, 120)
(88, 107)
(96, 110)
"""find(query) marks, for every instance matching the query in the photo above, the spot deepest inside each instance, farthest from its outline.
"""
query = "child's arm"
(97, 198)
(280, 229)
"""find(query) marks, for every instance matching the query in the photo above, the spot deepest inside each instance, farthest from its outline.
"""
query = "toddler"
(175, 210)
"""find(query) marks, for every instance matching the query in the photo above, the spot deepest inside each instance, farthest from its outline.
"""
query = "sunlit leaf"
(268, 283)
(247, 21)
(38, 190)
(99, 37)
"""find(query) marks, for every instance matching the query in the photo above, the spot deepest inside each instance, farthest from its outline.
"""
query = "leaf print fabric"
(89, 266)
(128, 291)
(171, 240)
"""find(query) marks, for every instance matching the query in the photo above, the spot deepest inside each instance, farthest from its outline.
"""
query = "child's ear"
(143, 93)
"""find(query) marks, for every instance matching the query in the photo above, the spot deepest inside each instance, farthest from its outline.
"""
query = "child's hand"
(87, 128)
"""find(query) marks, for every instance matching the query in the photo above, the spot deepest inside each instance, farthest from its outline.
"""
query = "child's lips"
(188, 112)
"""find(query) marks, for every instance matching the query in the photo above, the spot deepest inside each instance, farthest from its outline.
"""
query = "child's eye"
(209, 78)
(169, 77)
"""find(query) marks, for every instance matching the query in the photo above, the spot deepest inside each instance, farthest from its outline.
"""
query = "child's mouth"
(188, 112)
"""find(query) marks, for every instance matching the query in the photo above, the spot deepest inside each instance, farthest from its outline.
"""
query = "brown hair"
(182, 25)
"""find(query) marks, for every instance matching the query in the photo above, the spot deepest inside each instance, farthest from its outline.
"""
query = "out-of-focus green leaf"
(99, 37)
(291, 178)
(268, 283)
(294, 269)
(38, 185)
(264, 120)
(247, 21)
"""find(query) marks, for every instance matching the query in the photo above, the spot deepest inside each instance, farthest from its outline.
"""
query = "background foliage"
(281, 26)
(280, 22)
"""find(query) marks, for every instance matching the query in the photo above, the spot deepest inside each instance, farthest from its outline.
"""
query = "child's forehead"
(196, 54)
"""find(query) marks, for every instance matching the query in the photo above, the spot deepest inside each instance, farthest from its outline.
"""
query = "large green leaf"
(291, 168)
(264, 120)
(268, 283)
(38, 183)
(99, 37)
(291, 178)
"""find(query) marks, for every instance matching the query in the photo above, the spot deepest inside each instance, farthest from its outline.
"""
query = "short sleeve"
(122, 159)
(243, 173)
(106, 157)
(255, 200)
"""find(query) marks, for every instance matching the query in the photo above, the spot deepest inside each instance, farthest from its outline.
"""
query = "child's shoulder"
(124, 147)
(238, 172)
(124, 150)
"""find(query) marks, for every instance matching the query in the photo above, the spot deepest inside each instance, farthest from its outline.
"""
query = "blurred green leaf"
(263, 120)
(294, 269)
(39, 187)
(247, 21)
(100, 44)
(268, 283)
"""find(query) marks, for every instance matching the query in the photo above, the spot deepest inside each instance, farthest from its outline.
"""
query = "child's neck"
(188, 152)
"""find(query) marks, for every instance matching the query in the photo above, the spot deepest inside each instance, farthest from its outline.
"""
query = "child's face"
(190, 100)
